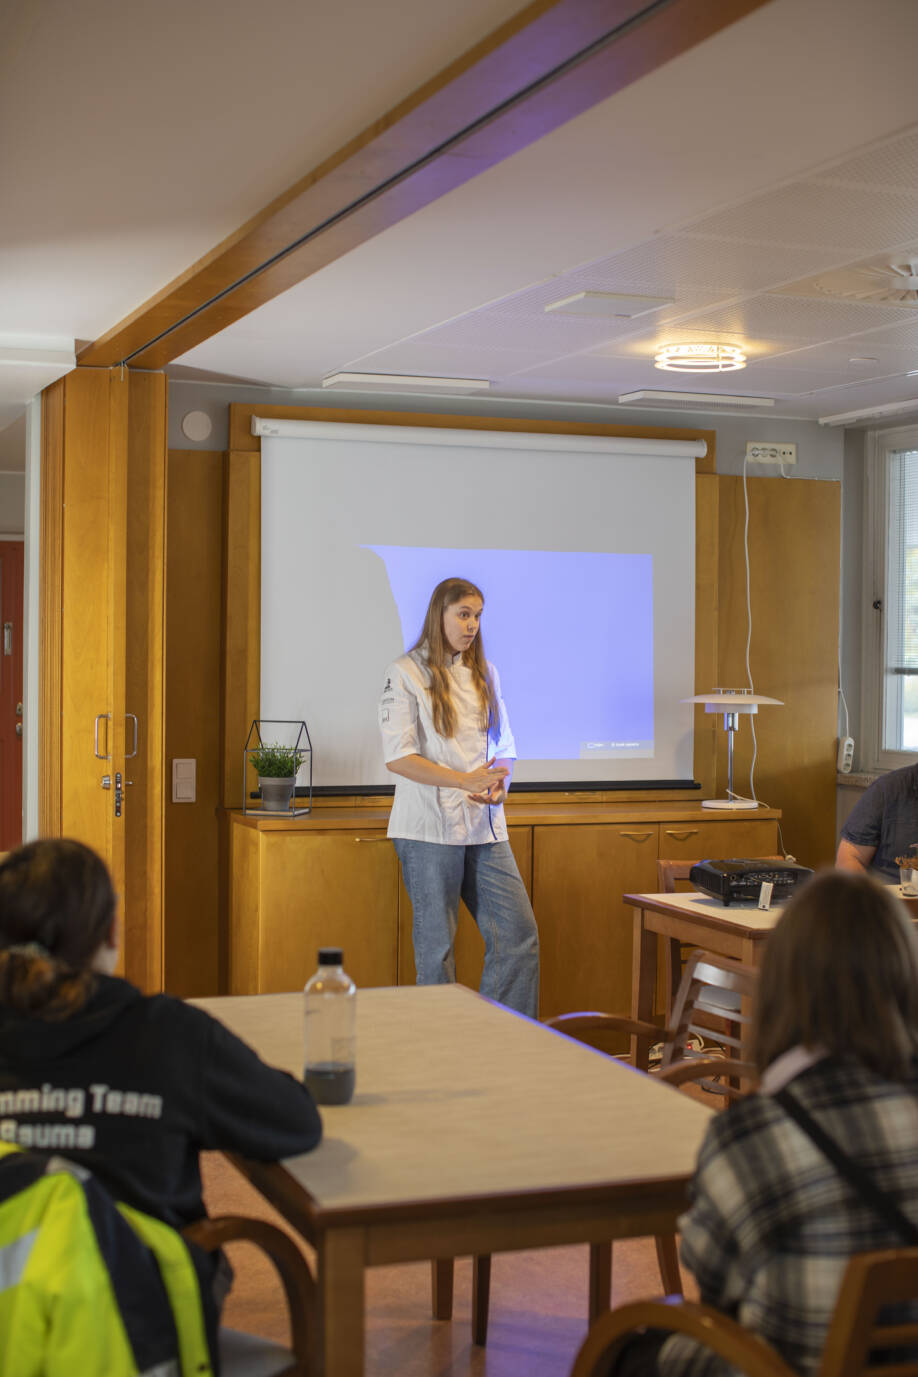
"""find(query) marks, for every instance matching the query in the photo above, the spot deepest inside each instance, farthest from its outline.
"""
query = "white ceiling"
(781, 149)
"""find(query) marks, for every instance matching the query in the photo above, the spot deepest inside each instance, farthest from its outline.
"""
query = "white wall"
(819, 449)
(12, 504)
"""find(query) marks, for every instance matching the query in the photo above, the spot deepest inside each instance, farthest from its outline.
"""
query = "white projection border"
(583, 545)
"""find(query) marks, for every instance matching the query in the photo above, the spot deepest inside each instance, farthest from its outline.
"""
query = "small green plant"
(273, 761)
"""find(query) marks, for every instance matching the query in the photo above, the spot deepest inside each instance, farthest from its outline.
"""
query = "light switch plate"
(184, 780)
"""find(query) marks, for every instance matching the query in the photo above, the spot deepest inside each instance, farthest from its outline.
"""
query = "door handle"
(19, 729)
(129, 755)
(106, 718)
(637, 836)
(681, 836)
(7, 638)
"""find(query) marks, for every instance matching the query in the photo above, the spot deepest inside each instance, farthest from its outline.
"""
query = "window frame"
(879, 445)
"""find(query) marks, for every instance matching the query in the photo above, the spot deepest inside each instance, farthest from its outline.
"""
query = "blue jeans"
(436, 877)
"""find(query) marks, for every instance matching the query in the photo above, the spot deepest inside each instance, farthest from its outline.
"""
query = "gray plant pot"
(276, 793)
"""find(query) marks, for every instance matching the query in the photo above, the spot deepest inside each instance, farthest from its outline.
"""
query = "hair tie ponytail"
(31, 949)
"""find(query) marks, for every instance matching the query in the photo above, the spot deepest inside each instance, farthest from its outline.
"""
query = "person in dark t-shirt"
(882, 825)
(130, 1086)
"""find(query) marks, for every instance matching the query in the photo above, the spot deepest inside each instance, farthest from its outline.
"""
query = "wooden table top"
(739, 917)
(459, 1099)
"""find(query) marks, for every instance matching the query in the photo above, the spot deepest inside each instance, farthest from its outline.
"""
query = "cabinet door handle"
(637, 836)
(105, 717)
(371, 839)
(681, 836)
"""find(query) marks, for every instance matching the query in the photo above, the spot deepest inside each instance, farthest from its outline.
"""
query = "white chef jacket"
(425, 812)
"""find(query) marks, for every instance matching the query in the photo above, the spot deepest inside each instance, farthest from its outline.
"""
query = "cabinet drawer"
(716, 840)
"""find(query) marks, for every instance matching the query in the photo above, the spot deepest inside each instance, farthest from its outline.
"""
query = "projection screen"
(584, 548)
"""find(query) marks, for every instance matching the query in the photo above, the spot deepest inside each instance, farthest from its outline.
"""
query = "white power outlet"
(761, 452)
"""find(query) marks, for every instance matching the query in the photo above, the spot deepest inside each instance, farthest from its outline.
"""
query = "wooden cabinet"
(293, 893)
(332, 878)
(580, 875)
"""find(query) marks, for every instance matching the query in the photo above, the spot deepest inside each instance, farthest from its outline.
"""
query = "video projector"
(738, 881)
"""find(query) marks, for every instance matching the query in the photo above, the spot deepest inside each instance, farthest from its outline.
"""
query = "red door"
(10, 694)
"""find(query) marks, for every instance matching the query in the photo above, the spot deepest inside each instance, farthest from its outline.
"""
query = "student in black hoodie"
(132, 1086)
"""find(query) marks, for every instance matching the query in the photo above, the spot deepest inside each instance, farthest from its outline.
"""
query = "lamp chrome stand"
(731, 702)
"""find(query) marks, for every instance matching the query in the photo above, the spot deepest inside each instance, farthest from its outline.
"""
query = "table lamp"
(731, 702)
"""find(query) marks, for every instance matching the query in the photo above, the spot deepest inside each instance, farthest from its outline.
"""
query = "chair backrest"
(708, 1005)
(672, 873)
(872, 1282)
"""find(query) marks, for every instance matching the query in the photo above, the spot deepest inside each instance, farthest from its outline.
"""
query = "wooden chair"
(872, 1281)
(707, 980)
(246, 1355)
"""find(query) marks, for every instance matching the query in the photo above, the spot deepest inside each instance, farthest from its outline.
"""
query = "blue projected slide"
(571, 635)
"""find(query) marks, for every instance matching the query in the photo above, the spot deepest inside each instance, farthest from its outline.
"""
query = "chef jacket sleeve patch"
(398, 716)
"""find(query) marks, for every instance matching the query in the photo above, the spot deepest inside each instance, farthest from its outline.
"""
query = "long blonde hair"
(439, 655)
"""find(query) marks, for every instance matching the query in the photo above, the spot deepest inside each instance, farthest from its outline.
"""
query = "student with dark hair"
(130, 1086)
(774, 1219)
(447, 739)
(773, 1222)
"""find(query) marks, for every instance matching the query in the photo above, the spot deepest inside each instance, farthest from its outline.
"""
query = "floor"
(538, 1301)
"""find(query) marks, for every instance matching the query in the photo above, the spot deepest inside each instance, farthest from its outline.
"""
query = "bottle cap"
(330, 956)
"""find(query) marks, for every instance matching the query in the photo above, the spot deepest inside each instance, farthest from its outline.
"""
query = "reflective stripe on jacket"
(88, 1286)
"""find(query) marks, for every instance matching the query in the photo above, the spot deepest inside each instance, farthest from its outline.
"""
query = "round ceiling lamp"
(700, 358)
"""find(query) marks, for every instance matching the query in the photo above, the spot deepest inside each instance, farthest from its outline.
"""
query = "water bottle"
(330, 1000)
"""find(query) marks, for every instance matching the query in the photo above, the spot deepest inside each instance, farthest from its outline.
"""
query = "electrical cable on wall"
(749, 680)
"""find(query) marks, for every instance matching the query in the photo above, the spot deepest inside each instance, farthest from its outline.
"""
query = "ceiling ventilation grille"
(877, 284)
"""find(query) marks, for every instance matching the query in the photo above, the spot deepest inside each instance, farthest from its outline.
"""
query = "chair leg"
(672, 974)
(668, 1259)
(441, 1288)
(600, 1279)
(481, 1296)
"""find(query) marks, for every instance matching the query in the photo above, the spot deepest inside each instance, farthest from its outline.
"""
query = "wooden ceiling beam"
(552, 61)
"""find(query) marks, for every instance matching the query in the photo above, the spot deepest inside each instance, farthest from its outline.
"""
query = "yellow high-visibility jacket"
(88, 1286)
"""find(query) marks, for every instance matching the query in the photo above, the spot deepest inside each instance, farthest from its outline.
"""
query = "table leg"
(643, 980)
(441, 1288)
(341, 1308)
(600, 1279)
(481, 1296)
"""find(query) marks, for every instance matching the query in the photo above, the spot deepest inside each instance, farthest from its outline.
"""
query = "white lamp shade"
(728, 701)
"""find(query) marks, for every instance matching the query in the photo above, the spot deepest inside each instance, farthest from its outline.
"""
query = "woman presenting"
(446, 736)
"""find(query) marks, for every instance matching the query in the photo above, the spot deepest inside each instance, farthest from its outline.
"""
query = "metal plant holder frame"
(302, 745)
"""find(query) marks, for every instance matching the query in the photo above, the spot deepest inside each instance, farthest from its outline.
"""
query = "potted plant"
(276, 767)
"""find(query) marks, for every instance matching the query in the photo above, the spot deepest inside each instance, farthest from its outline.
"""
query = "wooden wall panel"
(194, 676)
(103, 463)
(86, 596)
(794, 551)
(51, 548)
(144, 693)
(242, 613)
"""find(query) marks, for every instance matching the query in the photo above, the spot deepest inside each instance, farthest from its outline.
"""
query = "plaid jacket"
(772, 1224)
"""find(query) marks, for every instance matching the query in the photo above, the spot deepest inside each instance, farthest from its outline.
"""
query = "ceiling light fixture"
(615, 304)
(657, 396)
(841, 418)
(389, 382)
(700, 358)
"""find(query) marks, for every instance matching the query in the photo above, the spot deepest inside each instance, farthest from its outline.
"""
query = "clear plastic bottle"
(330, 1000)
